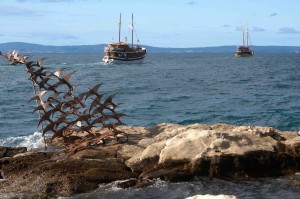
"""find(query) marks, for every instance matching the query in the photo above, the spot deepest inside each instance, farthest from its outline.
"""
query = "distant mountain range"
(36, 48)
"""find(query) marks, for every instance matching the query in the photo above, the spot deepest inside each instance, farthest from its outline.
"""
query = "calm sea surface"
(176, 88)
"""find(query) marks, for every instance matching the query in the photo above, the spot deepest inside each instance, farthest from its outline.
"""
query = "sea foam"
(32, 142)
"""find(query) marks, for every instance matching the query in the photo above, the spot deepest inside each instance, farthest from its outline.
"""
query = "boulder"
(293, 146)
(42, 174)
(208, 196)
(11, 151)
(167, 175)
(226, 151)
(147, 159)
(128, 151)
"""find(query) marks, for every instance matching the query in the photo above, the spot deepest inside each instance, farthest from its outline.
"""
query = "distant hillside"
(36, 48)
(226, 49)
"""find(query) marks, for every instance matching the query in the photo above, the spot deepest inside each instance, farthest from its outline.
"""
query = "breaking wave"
(32, 142)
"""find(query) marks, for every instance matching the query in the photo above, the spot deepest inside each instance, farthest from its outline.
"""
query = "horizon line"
(147, 45)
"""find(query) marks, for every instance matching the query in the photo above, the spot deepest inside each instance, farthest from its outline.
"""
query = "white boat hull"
(244, 55)
(109, 60)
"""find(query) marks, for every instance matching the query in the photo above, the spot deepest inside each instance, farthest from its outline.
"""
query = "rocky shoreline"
(170, 152)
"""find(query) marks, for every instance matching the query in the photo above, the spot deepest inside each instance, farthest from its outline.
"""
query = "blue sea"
(177, 88)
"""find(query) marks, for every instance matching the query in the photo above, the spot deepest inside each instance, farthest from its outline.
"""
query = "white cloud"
(273, 14)
(50, 1)
(288, 30)
(258, 29)
(16, 11)
(191, 3)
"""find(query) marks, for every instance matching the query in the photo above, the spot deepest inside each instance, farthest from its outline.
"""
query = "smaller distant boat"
(244, 50)
(122, 52)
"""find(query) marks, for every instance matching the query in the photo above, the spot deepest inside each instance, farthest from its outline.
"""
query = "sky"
(160, 23)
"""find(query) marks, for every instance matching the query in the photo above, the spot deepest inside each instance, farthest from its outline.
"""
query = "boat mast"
(247, 32)
(243, 36)
(132, 30)
(120, 29)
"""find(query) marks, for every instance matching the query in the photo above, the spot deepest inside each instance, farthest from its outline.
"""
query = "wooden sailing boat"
(244, 50)
(122, 52)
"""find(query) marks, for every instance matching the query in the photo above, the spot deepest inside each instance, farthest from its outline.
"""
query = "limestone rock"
(167, 175)
(225, 151)
(11, 151)
(208, 196)
(256, 130)
(222, 127)
(64, 177)
(293, 146)
(134, 183)
(147, 159)
(170, 152)
(128, 151)
(192, 144)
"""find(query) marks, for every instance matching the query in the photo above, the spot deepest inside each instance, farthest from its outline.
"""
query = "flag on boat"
(131, 26)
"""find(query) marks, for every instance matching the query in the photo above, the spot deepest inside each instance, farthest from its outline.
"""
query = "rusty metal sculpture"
(64, 114)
